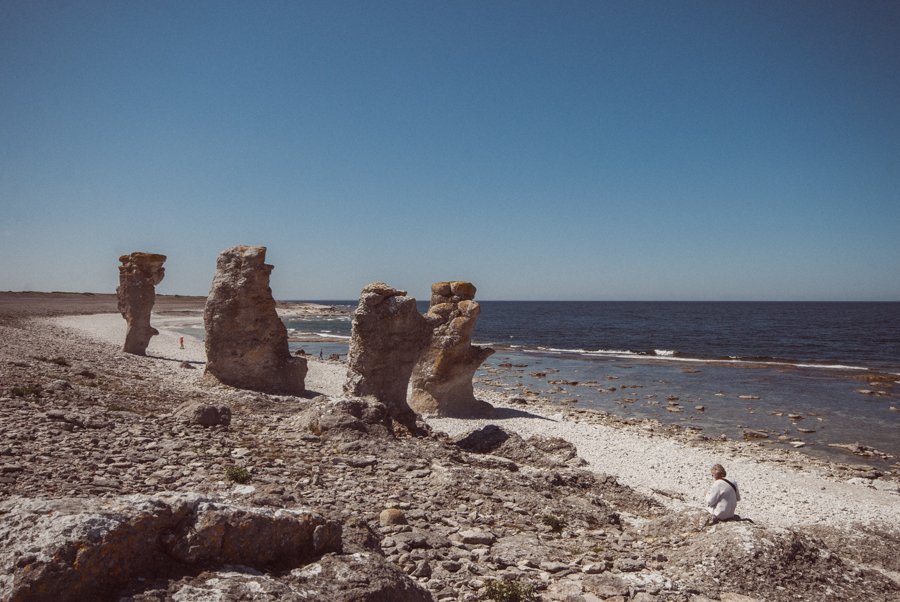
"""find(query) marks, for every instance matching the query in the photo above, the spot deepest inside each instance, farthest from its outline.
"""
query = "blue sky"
(542, 150)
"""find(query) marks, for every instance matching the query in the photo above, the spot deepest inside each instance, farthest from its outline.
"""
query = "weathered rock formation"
(246, 341)
(138, 276)
(442, 378)
(388, 336)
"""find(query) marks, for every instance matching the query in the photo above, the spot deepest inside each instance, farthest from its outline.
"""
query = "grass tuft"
(509, 591)
(237, 474)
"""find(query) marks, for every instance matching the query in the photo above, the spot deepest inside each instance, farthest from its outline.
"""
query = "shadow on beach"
(197, 363)
(508, 413)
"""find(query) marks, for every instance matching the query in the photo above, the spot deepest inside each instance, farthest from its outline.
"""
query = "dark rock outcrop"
(246, 341)
(388, 336)
(442, 378)
(546, 452)
(138, 276)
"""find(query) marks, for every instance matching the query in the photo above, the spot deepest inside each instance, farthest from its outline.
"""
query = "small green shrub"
(555, 523)
(237, 474)
(509, 591)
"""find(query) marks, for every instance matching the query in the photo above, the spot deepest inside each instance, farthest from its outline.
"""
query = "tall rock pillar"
(138, 276)
(388, 336)
(442, 378)
(246, 341)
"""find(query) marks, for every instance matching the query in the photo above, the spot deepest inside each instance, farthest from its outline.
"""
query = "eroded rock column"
(442, 378)
(388, 336)
(246, 341)
(138, 276)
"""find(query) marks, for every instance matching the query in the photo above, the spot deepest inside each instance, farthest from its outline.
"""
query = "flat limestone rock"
(388, 336)
(138, 276)
(442, 378)
(246, 341)
(86, 548)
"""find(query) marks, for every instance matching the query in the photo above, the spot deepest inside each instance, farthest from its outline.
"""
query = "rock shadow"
(508, 413)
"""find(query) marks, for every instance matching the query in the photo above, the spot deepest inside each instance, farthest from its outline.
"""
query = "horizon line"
(351, 299)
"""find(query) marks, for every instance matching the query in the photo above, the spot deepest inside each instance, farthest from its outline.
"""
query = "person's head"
(718, 471)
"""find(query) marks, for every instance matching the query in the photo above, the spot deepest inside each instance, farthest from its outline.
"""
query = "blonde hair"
(718, 471)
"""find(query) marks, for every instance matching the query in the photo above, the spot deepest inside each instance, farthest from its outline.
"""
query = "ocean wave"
(297, 333)
(666, 355)
(328, 335)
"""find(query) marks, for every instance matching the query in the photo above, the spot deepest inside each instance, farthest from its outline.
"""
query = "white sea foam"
(328, 335)
(666, 355)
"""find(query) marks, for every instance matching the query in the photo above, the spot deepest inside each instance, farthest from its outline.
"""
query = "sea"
(823, 374)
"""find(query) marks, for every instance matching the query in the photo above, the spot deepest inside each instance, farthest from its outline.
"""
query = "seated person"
(723, 496)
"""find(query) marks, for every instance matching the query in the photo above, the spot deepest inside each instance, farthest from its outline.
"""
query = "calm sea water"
(745, 363)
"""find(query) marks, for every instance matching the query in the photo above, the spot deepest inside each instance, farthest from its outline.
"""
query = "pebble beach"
(785, 491)
(562, 504)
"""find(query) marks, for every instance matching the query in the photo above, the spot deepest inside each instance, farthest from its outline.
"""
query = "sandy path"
(773, 493)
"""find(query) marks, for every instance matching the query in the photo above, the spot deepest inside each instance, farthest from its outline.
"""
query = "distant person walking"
(181, 342)
(723, 495)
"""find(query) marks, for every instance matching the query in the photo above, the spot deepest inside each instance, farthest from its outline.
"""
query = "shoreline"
(666, 462)
(92, 430)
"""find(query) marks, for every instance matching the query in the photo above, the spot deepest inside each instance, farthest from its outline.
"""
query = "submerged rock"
(442, 378)
(138, 276)
(388, 336)
(246, 341)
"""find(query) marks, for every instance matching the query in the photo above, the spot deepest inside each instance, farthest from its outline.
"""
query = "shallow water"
(810, 359)
(827, 401)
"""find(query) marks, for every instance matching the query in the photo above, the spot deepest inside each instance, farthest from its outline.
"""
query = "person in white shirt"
(723, 496)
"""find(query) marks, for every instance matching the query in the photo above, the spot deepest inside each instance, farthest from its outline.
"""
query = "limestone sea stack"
(442, 378)
(246, 341)
(138, 276)
(388, 336)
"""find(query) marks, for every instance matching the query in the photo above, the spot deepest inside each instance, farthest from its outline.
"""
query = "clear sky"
(542, 150)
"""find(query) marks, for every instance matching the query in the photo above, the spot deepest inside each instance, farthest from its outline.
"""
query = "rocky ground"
(130, 478)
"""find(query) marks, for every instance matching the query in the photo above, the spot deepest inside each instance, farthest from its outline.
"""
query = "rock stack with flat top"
(246, 341)
(138, 276)
(388, 336)
(442, 378)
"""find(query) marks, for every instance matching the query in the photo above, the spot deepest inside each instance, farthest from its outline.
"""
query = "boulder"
(442, 378)
(388, 336)
(89, 548)
(138, 276)
(205, 414)
(246, 341)
(770, 563)
(345, 418)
